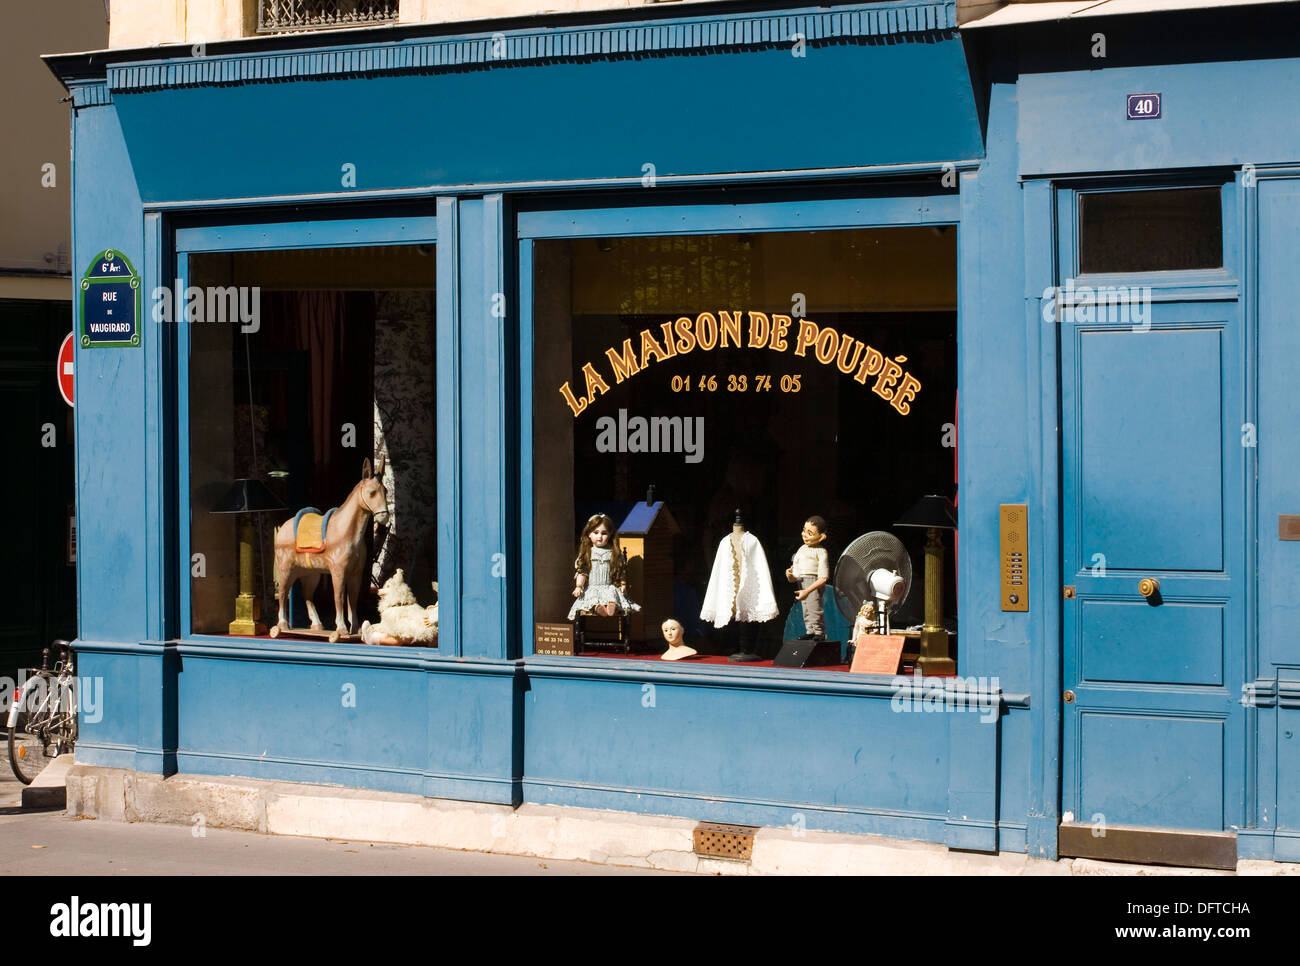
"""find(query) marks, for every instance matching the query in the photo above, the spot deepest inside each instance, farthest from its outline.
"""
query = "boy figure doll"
(810, 569)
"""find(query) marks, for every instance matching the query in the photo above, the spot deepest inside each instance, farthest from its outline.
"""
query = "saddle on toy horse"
(309, 528)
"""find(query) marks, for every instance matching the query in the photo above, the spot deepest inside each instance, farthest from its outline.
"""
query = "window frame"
(877, 206)
(1177, 285)
(250, 234)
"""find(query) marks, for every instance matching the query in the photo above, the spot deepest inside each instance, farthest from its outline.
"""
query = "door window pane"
(1150, 231)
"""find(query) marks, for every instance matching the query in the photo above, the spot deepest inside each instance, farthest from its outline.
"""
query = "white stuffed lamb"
(401, 618)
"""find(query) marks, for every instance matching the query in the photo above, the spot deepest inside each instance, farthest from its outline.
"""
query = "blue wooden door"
(1153, 488)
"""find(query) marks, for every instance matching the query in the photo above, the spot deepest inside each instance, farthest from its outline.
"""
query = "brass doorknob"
(1148, 586)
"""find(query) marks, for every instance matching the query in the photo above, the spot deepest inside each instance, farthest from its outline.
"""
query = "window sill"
(712, 675)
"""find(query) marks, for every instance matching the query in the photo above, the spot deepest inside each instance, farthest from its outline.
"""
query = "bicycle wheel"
(27, 750)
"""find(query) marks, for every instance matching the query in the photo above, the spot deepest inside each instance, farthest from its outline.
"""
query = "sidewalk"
(650, 842)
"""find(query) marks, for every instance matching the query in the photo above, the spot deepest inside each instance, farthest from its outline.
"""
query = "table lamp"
(934, 513)
(247, 497)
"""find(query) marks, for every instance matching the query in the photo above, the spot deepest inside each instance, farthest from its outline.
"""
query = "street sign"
(110, 302)
(63, 369)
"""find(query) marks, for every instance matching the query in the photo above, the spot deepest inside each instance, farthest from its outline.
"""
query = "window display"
(311, 381)
(673, 637)
(402, 620)
(599, 578)
(810, 568)
(737, 381)
(307, 549)
(740, 589)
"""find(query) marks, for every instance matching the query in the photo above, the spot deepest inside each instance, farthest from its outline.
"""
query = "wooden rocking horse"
(313, 544)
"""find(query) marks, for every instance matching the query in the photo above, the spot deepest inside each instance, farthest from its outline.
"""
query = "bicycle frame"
(58, 685)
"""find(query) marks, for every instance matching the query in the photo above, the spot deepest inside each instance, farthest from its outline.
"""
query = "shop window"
(1170, 230)
(807, 379)
(311, 390)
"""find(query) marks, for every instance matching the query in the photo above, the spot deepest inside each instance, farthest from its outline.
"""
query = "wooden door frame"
(1051, 208)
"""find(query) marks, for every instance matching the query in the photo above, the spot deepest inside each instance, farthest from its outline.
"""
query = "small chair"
(620, 642)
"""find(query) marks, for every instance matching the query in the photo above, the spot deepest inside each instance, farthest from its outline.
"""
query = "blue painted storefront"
(487, 146)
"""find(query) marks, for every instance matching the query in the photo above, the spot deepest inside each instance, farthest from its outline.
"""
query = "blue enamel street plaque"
(1143, 107)
(110, 302)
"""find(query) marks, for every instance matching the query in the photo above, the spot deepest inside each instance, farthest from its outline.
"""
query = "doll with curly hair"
(599, 580)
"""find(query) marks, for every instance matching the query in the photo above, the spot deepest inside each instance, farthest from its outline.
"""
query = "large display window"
(716, 418)
(311, 436)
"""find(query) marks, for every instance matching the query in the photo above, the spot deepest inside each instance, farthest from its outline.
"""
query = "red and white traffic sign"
(64, 369)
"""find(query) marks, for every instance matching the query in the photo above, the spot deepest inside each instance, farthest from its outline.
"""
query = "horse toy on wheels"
(313, 545)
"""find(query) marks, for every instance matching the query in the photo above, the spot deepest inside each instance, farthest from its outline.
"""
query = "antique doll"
(866, 620)
(810, 569)
(599, 583)
(674, 637)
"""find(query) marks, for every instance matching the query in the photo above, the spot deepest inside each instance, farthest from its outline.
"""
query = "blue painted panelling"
(1278, 449)
(1013, 776)
(443, 729)
(779, 750)
(1076, 121)
(480, 479)
(265, 712)
(110, 740)
(995, 357)
(1192, 653)
(1134, 770)
(972, 794)
(1150, 408)
(1280, 737)
(473, 713)
(112, 515)
(760, 110)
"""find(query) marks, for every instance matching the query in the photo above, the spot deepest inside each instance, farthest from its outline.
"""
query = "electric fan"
(875, 567)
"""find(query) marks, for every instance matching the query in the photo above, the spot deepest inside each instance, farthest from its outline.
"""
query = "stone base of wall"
(542, 831)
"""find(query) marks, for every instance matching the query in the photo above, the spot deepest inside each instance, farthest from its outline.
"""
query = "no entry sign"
(64, 369)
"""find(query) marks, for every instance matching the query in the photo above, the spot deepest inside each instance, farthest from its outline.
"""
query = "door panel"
(1278, 450)
(1152, 770)
(1150, 480)
(1110, 630)
(1152, 477)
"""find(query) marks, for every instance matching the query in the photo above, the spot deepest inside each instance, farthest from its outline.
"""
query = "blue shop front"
(818, 416)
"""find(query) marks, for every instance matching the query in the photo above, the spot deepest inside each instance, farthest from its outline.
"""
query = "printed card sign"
(877, 653)
(1143, 107)
(110, 302)
(552, 638)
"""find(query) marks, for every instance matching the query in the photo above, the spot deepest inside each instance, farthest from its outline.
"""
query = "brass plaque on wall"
(1288, 526)
(552, 638)
(1013, 534)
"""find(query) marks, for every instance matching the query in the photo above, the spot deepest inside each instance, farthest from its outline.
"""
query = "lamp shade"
(248, 496)
(932, 511)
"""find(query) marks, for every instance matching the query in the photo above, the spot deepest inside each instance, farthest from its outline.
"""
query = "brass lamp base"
(934, 659)
(245, 623)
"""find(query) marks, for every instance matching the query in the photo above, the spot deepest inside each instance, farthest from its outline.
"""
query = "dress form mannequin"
(740, 589)
(747, 631)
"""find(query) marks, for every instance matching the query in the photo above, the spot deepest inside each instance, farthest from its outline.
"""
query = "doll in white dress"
(599, 581)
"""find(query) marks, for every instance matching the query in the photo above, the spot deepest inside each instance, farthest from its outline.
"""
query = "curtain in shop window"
(336, 331)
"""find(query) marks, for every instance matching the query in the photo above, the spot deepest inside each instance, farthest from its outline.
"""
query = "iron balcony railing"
(277, 16)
